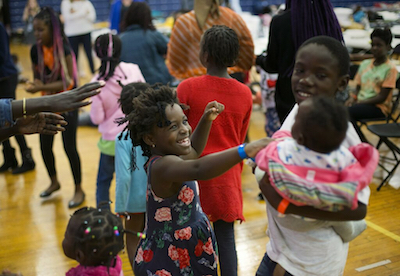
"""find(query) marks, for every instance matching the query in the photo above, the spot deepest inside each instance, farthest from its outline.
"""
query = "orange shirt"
(48, 59)
(184, 45)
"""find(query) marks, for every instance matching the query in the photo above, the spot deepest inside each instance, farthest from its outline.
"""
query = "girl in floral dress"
(179, 239)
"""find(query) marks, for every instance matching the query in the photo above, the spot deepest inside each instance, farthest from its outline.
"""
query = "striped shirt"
(184, 45)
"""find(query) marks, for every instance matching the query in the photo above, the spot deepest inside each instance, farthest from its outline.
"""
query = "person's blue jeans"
(104, 178)
(267, 267)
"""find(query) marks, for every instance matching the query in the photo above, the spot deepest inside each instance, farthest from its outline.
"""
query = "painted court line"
(370, 266)
(383, 231)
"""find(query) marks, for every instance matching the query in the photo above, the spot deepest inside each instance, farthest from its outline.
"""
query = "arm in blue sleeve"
(123, 151)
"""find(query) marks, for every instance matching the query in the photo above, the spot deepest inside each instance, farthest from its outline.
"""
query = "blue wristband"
(241, 151)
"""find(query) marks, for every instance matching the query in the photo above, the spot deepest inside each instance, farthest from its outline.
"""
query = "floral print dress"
(179, 238)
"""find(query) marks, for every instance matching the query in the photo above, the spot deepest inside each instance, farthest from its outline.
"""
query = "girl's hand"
(33, 87)
(212, 110)
(253, 148)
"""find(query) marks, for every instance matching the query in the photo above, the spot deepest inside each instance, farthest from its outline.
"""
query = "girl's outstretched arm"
(307, 211)
(200, 134)
(170, 171)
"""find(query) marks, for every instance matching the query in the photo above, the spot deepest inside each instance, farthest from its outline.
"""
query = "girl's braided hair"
(221, 43)
(99, 235)
(128, 93)
(148, 110)
(108, 49)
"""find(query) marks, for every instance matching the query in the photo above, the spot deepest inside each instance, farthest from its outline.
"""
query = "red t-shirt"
(221, 197)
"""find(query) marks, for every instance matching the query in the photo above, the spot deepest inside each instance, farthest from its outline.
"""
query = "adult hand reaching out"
(43, 123)
(61, 102)
(47, 123)
(74, 98)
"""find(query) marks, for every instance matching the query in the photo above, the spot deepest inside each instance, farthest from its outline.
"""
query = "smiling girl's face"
(173, 139)
(316, 72)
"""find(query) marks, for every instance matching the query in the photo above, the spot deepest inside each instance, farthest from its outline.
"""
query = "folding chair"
(384, 132)
(391, 117)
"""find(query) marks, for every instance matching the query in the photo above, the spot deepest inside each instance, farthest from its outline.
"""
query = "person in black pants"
(8, 84)
(84, 39)
(79, 17)
(54, 71)
(69, 141)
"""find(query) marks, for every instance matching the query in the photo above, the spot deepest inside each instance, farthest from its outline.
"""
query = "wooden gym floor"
(32, 229)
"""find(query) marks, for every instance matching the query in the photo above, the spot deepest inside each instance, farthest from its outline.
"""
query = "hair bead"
(116, 232)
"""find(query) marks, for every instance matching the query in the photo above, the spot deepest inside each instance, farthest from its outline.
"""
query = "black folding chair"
(391, 117)
(384, 132)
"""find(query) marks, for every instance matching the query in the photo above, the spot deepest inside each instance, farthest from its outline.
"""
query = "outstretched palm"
(43, 123)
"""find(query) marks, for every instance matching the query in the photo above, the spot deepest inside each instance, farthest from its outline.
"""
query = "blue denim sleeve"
(6, 118)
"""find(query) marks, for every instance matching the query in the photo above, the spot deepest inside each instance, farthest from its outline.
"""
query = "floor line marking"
(370, 266)
(383, 230)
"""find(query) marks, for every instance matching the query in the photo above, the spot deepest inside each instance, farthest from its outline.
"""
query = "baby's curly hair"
(100, 234)
(149, 111)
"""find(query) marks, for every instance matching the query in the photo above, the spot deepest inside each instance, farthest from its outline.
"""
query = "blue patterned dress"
(179, 238)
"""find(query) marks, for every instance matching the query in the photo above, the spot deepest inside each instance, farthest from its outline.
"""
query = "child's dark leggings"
(225, 235)
(69, 141)
(84, 39)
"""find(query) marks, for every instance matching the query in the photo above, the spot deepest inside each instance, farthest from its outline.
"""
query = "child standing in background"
(79, 17)
(54, 71)
(131, 178)
(31, 9)
(221, 197)
(375, 81)
(179, 239)
(93, 238)
(105, 107)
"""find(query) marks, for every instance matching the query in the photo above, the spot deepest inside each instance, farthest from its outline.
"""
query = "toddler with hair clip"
(94, 237)
(105, 107)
